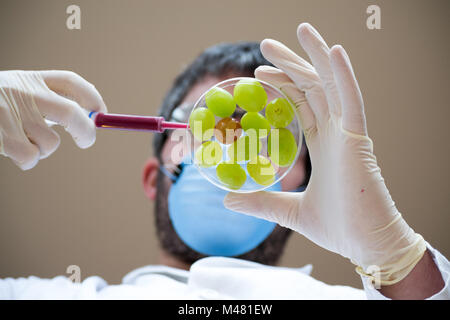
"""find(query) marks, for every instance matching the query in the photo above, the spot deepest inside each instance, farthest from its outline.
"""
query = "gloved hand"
(29, 97)
(346, 207)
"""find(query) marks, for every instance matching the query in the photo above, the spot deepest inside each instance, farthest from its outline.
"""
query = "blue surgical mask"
(203, 223)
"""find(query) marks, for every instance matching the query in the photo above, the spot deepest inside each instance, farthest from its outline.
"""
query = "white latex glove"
(346, 207)
(29, 97)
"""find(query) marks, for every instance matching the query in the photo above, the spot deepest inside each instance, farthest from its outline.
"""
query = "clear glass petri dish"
(248, 146)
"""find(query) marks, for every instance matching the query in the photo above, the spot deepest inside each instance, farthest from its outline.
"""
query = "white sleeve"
(56, 288)
(443, 266)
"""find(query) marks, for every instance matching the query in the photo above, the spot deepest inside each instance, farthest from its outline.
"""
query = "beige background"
(86, 207)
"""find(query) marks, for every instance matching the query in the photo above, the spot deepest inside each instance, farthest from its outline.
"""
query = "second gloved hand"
(27, 98)
(346, 207)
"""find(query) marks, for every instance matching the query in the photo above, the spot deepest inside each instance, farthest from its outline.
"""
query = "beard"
(267, 252)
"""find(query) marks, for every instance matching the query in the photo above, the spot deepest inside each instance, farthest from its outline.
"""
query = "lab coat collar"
(181, 275)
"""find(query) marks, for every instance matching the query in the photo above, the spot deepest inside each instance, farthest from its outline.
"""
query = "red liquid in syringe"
(131, 122)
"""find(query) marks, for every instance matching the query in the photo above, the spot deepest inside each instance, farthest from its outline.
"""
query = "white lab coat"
(208, 278)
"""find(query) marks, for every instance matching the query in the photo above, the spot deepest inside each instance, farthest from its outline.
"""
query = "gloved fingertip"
(302, 27)
(85, 143)
(30, 161)
(268, 46)
(82, 129)
(28, 166)
(228, 201)
(52, 148)
(338, 52)
(85, 138)
(304, 33)
(266, 70)
(337, 48)
(266, 42)
(263, 68)
(50, 144)
(308, 36)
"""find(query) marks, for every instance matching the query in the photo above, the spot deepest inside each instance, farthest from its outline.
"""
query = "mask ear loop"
(178, 169)
(172, 176)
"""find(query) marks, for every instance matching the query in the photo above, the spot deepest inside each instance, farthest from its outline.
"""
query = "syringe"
(131, 122)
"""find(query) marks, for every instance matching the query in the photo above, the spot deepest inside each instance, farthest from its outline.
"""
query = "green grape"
(279, 113)
(282, 147)
(243, 149)
(201, 123)
(232, 175)
(208, 154)
(261, 170)
(256, 121)
(250, 95)
(220, 102)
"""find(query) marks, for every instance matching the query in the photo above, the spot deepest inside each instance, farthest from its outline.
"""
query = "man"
(345, 208)
(212, 66)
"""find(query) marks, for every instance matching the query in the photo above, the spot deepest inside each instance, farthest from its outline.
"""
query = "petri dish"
(245, 135)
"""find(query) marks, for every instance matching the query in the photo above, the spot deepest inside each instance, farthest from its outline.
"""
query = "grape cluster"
(242, 139)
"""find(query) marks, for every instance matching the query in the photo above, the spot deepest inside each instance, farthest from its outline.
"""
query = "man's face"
(173, 152)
